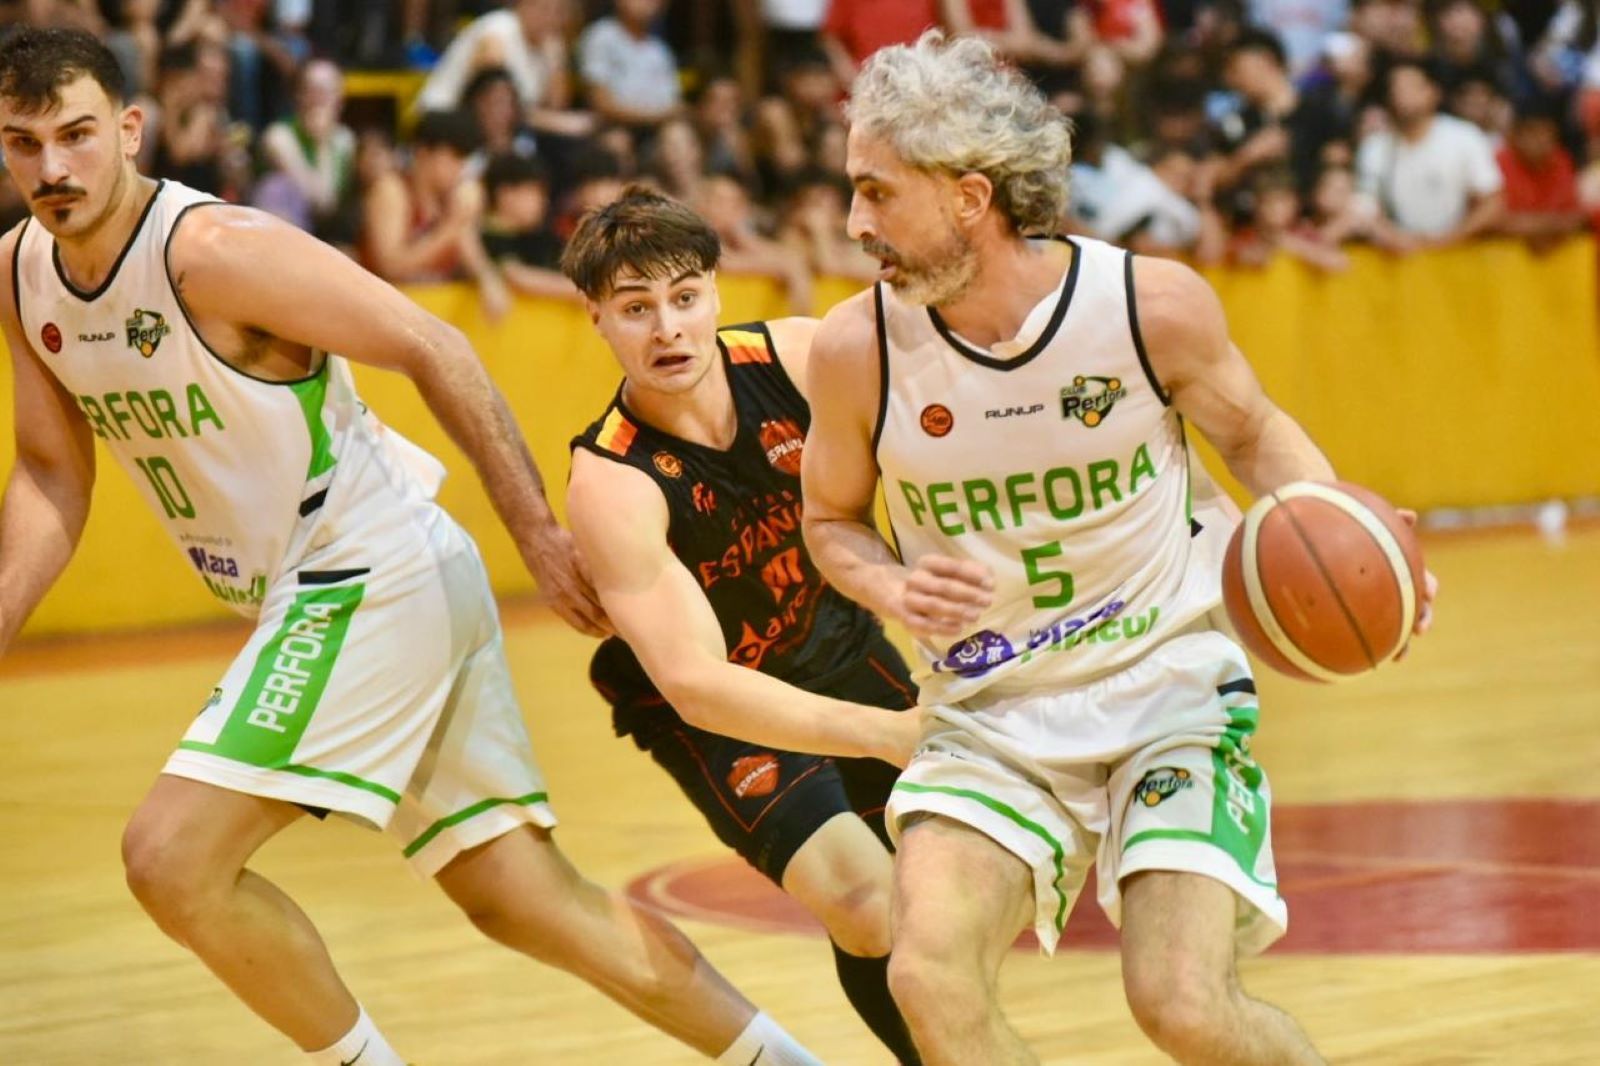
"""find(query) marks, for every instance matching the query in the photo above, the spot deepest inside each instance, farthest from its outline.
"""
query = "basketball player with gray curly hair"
(1022, 398)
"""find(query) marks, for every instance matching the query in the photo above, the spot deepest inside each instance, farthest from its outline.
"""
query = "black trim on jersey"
(1244, 684)
(883, 365)
(90, 297)
(312, 502)
(166, 263)
(331, 577)
(1034, 349)
(16, 276)
(1138, 338)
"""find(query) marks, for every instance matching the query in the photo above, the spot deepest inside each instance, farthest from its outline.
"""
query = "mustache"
(879, 250)
(63, 189)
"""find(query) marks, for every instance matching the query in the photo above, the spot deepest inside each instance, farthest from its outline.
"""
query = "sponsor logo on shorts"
(783, 443)
(145, 330)
(754, 775)
(669, 465)
(1161, 784)
(1090, 399)
(51, 336)
(977, 655)
(937, 421)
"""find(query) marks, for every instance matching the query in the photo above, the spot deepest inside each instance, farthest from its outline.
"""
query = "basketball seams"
(1382, 536)
(1333, 586)
(1261, 606)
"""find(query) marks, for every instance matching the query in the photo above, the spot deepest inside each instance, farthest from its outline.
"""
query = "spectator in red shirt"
(1541, 186)
(854, 29)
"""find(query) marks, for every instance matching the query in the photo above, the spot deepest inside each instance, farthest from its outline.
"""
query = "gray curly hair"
(952, 105)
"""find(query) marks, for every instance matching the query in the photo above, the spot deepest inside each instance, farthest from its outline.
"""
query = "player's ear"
(593, 309)
(974, 194)
(131, 124)
(716, 294)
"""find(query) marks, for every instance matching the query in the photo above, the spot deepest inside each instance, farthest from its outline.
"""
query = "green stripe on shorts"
(1056, 850)
(289, 678)
(1239, 815)
(470, 812)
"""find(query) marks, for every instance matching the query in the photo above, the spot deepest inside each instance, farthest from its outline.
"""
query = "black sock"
(866, 986)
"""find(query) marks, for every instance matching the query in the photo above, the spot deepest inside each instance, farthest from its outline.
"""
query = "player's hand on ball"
(943, 597)
(1430, 589)
(564, 583)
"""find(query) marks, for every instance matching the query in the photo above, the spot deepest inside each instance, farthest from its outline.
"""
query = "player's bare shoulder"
(843, 367)
(1179, 318)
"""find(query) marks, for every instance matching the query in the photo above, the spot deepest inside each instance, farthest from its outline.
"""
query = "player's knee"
(1183, 1010)
(163, 875)
(930, 985)
(856, 915)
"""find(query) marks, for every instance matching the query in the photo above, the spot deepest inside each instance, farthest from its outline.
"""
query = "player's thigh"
(1178, 937)
(960, 898)
(762, 802)
(843, 874)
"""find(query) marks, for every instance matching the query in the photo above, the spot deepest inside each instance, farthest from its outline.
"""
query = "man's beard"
(939, 278)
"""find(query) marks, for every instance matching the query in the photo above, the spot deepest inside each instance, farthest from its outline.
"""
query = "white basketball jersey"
(246, 474)
(1056, 461)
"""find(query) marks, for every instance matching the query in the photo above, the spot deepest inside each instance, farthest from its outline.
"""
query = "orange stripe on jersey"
(616, 433)
(745, 346)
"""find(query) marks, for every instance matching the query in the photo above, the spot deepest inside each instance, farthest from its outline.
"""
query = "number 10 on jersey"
(169, 490)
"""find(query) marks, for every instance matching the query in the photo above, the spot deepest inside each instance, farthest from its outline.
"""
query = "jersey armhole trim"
(16, 276)
(883, 366)
(1138, 338)
(166, 265)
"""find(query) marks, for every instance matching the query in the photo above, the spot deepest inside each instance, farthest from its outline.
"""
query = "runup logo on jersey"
(145, 330)
(1161, 784)
(1090, 399)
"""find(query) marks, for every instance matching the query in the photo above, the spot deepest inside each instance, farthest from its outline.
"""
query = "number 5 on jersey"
(1060, 579)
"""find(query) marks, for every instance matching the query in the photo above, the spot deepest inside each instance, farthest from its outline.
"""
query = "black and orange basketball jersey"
(734, 522)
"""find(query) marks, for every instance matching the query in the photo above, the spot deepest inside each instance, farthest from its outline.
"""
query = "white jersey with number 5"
(1055, 460)
(247, 475)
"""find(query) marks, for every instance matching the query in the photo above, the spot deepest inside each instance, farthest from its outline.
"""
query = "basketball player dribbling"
(1023, 402)
(735, 665)
(192, 338)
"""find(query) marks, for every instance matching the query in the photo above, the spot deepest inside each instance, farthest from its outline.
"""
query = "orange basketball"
(1323, 580)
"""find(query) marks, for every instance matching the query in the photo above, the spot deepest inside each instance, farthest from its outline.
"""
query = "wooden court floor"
(1439, 840)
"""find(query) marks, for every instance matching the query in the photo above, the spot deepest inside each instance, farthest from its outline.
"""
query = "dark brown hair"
(652, 235)
(35, 63)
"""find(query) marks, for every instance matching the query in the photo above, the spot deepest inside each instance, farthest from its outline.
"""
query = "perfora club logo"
(1161, 784)
(145, 330)
(1090, 399)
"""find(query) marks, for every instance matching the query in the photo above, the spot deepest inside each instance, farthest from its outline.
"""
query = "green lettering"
(1103, 477)
(1016, 497)
(986, 505)
(143, 415)
(200, 410)
(96, 417)
(914, 502)
(1138, 627)
(1141, 463)
(161, 400)
(940, 509)
(1058, 474)
(120, 417)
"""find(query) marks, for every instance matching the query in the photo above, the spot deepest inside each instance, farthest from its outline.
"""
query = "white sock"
(361, 1046)
(765, 1043)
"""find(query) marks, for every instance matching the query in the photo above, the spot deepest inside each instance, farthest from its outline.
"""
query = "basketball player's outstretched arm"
(939, 598)
(619, 519)
(1211, 384)
(47, 496)
(250, 270)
